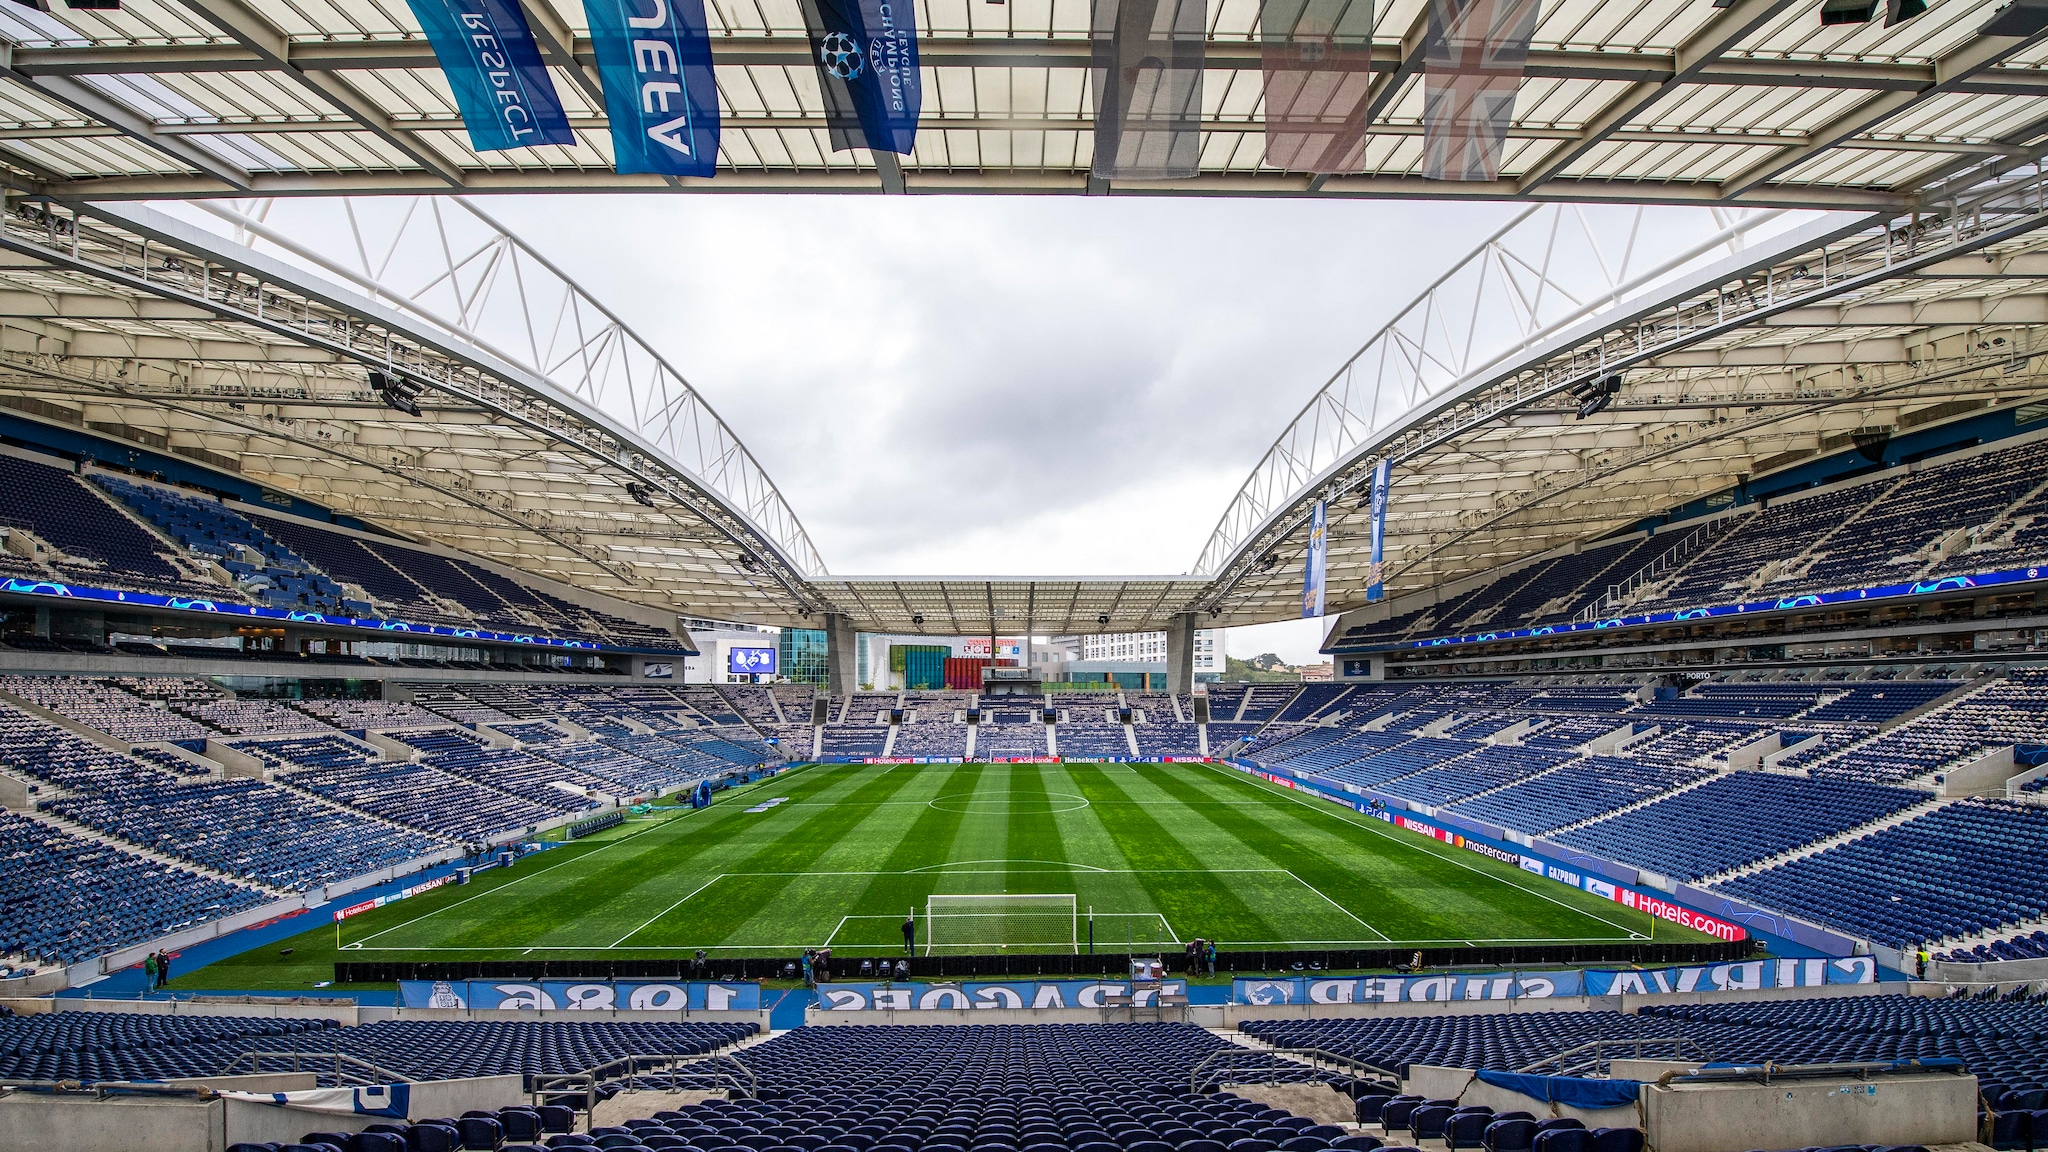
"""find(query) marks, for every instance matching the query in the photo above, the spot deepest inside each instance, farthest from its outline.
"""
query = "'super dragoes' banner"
(1746, 976)
(501, 87)
(1000, 994)
(588, 995)
(654, 57)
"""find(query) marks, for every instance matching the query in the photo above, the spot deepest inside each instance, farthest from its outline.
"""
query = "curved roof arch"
(131, 322)
(1732, 368)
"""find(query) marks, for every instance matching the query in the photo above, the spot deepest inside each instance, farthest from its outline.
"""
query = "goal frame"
(1068, 906)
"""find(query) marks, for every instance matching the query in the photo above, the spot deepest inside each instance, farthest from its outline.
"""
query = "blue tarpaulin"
(1575, 1091)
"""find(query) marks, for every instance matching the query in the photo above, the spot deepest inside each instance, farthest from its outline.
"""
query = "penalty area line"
(572, 858)
(667, 910)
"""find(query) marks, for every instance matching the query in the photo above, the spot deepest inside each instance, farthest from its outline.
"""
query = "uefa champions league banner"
(1746, 976)
(654, 59)
(901, 997)
(587, 996)
(865, 53)
(504, 92)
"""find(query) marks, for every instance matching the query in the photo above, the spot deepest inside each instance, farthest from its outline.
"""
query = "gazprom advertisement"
(588, 996)
(750, 661)
(901, 997)
(1746, 976)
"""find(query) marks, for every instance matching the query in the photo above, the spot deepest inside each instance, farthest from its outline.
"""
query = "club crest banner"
(504, 92)
(589, 995)
(654, 58)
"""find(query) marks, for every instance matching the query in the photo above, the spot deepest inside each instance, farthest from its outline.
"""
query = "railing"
(347, 1071)
(1688, 546)
(1236, 1065)
(721, 1070)
(1597, 1056)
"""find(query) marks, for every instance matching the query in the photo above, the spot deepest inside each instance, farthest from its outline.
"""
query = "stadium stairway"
(1900, 817)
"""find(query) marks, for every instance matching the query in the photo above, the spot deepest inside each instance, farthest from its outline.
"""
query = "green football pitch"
(838, 855)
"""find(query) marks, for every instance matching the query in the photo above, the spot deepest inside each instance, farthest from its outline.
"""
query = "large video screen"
(750, 661)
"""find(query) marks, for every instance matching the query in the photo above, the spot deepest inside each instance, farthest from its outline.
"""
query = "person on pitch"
(910, 935)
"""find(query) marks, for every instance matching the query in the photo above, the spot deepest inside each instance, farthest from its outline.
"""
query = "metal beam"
(1729, 27)
(1232, 55)
(258, 35)
(1008, 182)
(94, 104)
(1970, 58)
(558, 45)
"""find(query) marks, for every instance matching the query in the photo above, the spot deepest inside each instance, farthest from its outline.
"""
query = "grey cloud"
(950, 381)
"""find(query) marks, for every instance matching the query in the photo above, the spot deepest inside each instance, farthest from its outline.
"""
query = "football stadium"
(425, 723)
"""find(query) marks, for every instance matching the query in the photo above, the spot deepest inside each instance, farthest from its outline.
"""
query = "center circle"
(988, 804)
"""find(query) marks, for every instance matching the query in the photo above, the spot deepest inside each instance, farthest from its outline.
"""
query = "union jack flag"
(1473, 64)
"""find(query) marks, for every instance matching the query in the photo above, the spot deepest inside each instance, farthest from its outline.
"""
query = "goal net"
(993, 923)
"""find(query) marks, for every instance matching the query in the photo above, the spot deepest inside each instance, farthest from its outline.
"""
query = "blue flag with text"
(504, 92)
(654, 57)
(866, 57)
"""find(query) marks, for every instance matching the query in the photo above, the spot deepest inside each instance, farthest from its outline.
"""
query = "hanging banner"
(654, 59)
(504, 92)
(1147, 72)
(1316, 565)
(1317, 57)
(1375, 581)
(1472, 68)
(588, 996)
(903, 997)
(866, 57)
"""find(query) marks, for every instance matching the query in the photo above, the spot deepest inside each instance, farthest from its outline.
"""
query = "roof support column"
(1180, 654)
(841, 670)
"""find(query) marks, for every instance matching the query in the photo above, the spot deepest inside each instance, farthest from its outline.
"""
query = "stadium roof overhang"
(1671, 101)
(1736, 360)
(546, 437)
(1009, 605)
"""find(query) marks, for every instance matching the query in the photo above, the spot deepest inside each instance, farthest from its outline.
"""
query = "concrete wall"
(256, 1007)
(84, 1123)
(1929, 1110)
(234, 762)
(254, 1123)
(127, 1124)
(1984, 776)
(2001, 972)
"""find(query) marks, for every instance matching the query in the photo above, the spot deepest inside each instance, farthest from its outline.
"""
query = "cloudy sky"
(1016, 386)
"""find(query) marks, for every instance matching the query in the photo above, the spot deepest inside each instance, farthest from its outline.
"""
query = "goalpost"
(974, 923)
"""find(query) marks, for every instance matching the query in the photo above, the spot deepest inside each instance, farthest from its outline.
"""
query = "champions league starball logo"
(841, 56)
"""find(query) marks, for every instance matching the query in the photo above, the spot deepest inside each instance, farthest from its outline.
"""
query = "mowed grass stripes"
(1158, 853)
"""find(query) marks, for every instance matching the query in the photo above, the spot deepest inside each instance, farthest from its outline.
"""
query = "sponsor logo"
(841, 56)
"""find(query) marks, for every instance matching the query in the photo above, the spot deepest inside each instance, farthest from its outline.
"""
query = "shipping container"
(924, 666)
(964, 672)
